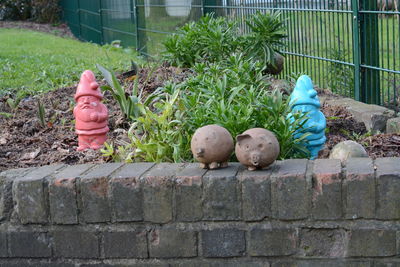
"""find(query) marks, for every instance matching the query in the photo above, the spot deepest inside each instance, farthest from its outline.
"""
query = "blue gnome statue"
(304, 99)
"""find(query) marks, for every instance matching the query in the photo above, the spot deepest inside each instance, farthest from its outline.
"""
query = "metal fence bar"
(356, 49)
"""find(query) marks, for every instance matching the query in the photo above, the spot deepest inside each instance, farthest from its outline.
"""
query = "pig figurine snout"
(257, 148)
(200, 152)
(255, 159)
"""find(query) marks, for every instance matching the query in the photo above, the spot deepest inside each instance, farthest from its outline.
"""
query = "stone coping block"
(374, 117)
(289, 190)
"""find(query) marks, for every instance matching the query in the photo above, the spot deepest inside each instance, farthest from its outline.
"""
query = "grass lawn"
(33, 62)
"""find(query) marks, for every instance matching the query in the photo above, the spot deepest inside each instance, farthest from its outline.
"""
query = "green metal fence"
(349, 46)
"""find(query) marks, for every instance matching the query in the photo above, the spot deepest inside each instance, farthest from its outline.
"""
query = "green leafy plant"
(209, 39)
(232, 93)
(5, 114)
(158, 135)
(290, 131)
(128, 103)
(341, 78)
(215, 39)
(268, 32)
(41, 114)
(237, 98)
(14, 102)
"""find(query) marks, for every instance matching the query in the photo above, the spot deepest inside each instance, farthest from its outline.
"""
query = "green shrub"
(266, 37)
(237, 98)
(215, 39)
(15, 9)
(232, 94)
(45, 11)
(42, 11)
(209, 39)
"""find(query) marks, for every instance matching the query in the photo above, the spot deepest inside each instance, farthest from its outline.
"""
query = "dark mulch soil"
(24, 142)
(342, 126)
(61, 30)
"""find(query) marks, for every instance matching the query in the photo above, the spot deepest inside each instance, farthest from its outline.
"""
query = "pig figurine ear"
(242, 137)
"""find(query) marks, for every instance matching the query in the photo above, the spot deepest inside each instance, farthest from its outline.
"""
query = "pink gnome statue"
(90, 114)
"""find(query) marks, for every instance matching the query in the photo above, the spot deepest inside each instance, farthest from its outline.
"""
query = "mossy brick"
(188, 193)
(129, 263)
(226, 242)
(172, 243)
(125, 244)
(327, 189)
(238, 262)
(290, 190)
(272, 242)
(94, 189)
(6, 180)
(388, 188)
(256, 194)
(221, 191)
(3, 245)
(157, 192)
(126, 194)
(371, 243)
(387, 263)
(359, 188)
(76, 243)
(63, 194)
(323, 243)
(24, 244)
(319, 263)
(30, 195)
(35, 263)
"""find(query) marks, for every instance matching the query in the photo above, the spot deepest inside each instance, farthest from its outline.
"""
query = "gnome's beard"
(85, 110)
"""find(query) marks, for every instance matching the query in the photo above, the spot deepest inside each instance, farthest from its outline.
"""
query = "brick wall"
(298, 213)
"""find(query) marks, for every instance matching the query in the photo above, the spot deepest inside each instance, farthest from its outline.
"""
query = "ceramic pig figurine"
(257, 148)
(212, 146)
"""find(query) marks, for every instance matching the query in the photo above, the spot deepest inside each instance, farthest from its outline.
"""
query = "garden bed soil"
(24, 142)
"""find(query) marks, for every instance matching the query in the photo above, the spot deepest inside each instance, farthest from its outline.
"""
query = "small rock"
(281, 85)
(30, 155)
(3, 140)
(348, 149)
(393, 125)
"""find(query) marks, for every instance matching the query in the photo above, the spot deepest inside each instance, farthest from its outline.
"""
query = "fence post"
(356, 51)
(135, 21)
(101, 22)
(78, 11)
(211, 9)
(369, 53)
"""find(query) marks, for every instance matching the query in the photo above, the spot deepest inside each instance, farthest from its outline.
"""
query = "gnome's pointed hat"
(88, 86)
(304, 93)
